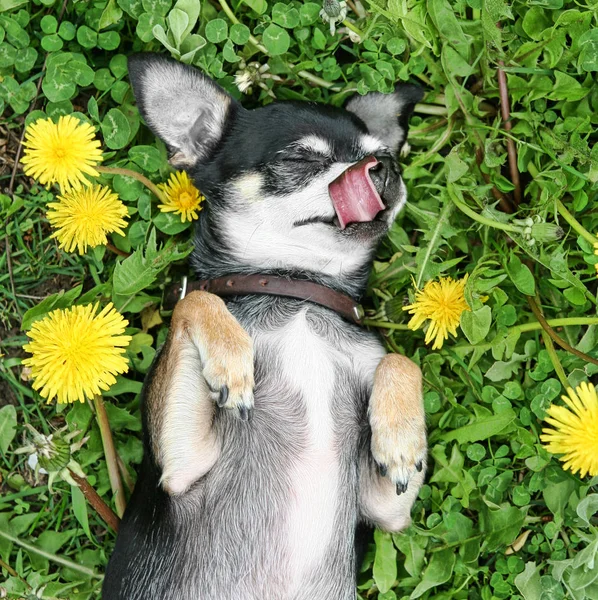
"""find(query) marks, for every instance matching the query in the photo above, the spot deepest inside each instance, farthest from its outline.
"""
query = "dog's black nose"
(386, 171)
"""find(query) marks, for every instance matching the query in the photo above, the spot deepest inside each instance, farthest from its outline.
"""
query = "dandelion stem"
(554, 359)
(554, 336)
(483, 220)
(130, 173)
(12, 572)
(575, 224)
(59, 560)
(105, 512)
(116, 250)
(110, 455)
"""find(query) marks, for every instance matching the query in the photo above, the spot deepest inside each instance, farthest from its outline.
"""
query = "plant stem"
(564, 322)
(353, 28)
(575, 224)
(505, 110)
(523, 328)
(110, 455)
(483, 220)
(12, 572)
(554, 336)
(554, 359)
(96, 502)
(130, 173)
(385, 325)
(59, 560)
(114, 249)
(430, 109)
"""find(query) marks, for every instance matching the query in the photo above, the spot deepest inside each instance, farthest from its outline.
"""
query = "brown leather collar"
(240, 285)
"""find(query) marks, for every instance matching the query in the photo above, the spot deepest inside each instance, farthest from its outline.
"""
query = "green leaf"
(476, 324)
(146, 24)
(139, 270)
(500, 527)
(455, 167)
(276, 40)
(309, 13)
(239, 34)
(121, 418)
(87, 37)
(6, 5)
(385, 561)
(148, 158)
(448, 27)
(170, 223)
(115, 129)
(157, 7)
(588, 508)
(521, 276)
(529, 583)
(216, 31)
(178, 22)
(439, 571)
(259, 6)
(191, 8)
(481, 428)
(8, 426)
(49, 24)
(111, 15)
(79, 505)
(285, 15)
(61, 299)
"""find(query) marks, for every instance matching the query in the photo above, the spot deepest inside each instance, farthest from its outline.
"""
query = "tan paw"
(225, 350)
(397, 420)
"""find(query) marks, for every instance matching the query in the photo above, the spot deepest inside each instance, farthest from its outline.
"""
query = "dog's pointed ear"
(387, 115)
(181, 105)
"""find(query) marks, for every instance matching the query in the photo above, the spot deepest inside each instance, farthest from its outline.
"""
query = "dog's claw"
(244, 413)
(383, 470)
(419, 466)
(223, 396)
(401, 488)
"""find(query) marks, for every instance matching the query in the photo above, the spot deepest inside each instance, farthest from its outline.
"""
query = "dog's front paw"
(228, 371)
(397, 420)
(225, 350)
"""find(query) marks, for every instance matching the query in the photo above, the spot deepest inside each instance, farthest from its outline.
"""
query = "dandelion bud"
(546, 232)
(333, 12)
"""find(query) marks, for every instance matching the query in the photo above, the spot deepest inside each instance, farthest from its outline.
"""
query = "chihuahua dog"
(273, 427)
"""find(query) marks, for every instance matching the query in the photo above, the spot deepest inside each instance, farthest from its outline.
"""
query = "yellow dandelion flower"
(596, 253)
(182, 197)
(575, 433)
(83, 217)
(62, 152)
(441, 302)
(75, 353)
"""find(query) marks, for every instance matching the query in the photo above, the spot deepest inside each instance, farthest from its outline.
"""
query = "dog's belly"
(307, 363)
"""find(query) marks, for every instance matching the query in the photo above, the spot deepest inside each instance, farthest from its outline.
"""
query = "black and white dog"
(272, 426)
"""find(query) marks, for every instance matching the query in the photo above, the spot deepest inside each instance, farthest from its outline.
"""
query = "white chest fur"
(308, 364)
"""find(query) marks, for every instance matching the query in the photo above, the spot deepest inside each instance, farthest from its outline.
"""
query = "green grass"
(498, 516)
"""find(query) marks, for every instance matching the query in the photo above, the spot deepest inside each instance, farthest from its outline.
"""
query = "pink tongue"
(354, 196)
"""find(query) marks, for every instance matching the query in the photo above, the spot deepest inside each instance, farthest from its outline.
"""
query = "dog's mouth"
(357, 203)
(354, 195)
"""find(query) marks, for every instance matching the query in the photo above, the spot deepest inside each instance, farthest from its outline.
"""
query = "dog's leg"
(390, 482)
(207, 359)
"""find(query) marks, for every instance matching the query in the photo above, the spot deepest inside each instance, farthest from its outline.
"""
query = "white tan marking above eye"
(371, 145)
(248, 187)
(315, 144)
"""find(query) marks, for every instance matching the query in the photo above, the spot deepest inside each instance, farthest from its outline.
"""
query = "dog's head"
(291, 187)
